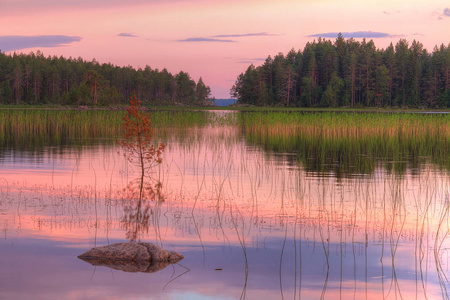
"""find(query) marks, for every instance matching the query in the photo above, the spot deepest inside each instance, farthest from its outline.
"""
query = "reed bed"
(355, 124)
(34, 129)
(353, 143)
(342, 143)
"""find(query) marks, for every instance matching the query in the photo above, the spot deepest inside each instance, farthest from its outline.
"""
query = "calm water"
(251, 223)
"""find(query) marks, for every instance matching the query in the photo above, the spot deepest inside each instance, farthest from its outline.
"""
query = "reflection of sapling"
(137, 138)
(139, 150)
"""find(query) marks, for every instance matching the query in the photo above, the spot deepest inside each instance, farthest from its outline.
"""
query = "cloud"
(390, 12)
(250, 60)
(201, 39)
(18, 42)
(355, 34)
(220, 37)
(447, 12)
(440, 15)
(127, 34)
(399, 35)
(243, 35)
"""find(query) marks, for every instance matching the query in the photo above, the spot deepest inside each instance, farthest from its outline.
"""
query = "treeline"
(35, 79)
(349, 73)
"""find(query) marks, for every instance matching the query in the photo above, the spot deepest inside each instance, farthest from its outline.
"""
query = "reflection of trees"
(139, 196)
(346, 145)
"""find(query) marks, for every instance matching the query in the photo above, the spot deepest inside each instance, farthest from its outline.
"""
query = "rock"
(131, 257)
(141, 266)
(119, 251)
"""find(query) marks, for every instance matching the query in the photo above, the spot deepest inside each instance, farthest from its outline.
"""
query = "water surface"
(300, 221)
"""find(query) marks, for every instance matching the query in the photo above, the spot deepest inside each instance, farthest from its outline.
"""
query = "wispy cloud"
(250, 60)
(244, 35)
(355, 34)
(221, 37)
(390, 12)
(447, 12)
(18, 42)
(127, 34)
(441, 14)
(202, 39)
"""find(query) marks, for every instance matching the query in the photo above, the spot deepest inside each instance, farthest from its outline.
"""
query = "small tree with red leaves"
(137, 138)
(140, 151)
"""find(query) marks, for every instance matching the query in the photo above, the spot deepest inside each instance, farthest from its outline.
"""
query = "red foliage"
(137, 138)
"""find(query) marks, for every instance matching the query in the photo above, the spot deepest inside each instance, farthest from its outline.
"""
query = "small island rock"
(132, 252)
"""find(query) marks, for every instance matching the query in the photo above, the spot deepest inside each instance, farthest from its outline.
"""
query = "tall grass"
(353, 143)
(342, 143)
(35, 129)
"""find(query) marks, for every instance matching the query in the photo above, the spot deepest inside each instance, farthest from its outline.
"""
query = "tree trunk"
(367, 83)
(353, 87)
(289, 89)
(95, 90)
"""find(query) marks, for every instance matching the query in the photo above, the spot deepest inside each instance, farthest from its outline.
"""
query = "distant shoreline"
(231, 108)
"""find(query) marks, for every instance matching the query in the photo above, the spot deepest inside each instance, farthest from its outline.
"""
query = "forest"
(349, 73)
(36, 79)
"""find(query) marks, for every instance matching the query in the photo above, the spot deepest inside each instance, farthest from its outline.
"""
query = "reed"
(346, 144)
(350, 143)
(35, 129)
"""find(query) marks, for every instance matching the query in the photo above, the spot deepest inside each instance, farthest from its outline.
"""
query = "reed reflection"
(352, 144)
(140, 206)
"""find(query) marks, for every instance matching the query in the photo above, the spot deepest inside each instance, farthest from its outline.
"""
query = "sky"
(213, 39)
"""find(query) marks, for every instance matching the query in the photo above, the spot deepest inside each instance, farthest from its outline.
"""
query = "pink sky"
(216, 40)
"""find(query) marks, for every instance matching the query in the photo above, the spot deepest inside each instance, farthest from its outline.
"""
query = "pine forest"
(349, 73)
(36, 79)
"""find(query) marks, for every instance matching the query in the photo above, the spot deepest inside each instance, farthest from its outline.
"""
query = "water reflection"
(276, 228)
(352, 144)
(129, 266)
(138, 207)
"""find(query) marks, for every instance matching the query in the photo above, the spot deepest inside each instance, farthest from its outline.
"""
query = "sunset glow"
(215, 40)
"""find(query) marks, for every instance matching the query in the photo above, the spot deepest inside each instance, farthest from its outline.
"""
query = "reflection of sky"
(280, 214)
(50, 270)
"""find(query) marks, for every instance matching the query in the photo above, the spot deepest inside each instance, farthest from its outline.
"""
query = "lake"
(271, 205)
